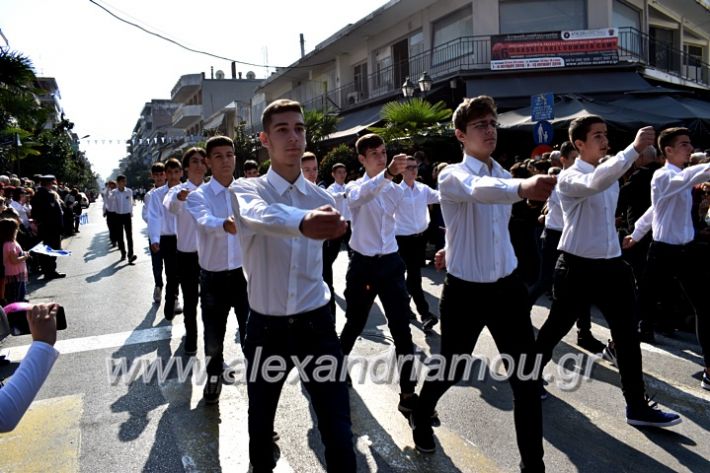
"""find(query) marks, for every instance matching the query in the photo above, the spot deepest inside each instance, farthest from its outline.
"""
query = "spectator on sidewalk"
(47, 213)
(17, 394)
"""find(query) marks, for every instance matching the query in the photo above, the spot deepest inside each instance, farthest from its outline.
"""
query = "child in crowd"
(14, 262)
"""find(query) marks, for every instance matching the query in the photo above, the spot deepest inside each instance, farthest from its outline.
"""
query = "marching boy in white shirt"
(590, 268)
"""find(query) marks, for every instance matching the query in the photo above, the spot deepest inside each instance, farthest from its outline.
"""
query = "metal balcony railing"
(473, 52)
(637, 46)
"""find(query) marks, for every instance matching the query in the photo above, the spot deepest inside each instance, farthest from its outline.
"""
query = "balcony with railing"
(187, 115)
(186, 86)
(472, 53)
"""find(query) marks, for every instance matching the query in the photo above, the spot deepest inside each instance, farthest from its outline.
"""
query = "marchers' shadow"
(100, 246)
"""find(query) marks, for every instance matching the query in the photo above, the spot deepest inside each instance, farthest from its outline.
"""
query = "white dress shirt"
(476, 204)
(122, 201)
(284, 268)
(589, 196)
(339, 193)
(160, 221)
(109, 203)
(22, 211)
(553, 218)
(210, 205)
(373, 203)
(185, 224)
(671, 204)
(412, 215)
(146, 201)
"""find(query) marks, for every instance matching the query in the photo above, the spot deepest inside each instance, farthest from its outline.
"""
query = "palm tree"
(17, 87)
(411, 118)
(318, 126)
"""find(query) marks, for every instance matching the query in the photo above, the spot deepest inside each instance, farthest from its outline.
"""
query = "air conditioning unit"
(353, 98)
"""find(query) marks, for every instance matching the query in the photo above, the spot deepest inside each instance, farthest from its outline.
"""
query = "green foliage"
(413, 121)
(340, 154)
(318, 126)
(264, 167)
(18, 104)
(244, 146)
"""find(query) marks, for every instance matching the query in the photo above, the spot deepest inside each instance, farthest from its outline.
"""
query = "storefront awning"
(587, 82)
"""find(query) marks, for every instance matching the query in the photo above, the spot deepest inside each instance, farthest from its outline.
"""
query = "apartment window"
(528, 16)
(383, 68)
(624, 15)
(453, 26)
(360, 79)
(448, 39)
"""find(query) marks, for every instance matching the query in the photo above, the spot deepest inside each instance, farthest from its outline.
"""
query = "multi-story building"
(49, 98)
(207, 104)
(499, 48)
(153, 132)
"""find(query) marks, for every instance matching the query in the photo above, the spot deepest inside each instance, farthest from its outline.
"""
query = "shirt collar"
(477, 166)
(282, 185)
(673, 167)
(583, 166)
(216, 187)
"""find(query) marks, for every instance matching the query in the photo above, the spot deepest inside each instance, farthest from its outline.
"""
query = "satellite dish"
(251, 75)
(219, 74)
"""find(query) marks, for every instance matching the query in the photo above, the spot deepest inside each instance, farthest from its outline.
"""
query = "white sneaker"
(178, 307)
(156, 294)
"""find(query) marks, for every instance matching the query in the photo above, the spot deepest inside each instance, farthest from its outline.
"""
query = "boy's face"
(339, 175)
(158, 178)
(222, 162)
(374, 160)
(679, 152)
(596, 144)
(254, 172)
(411, 171)
(121, 183)
(481, 136)
(196, 167)
(173, 175)
(285, 139)
(309, 168)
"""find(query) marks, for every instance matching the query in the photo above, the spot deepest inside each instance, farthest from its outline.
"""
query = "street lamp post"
(424, 82)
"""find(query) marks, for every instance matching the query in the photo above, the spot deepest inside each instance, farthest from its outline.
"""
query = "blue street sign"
(542, 107)
(543, 133)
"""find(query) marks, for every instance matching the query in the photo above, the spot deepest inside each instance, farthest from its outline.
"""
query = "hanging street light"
(408, 88)
(425, 83)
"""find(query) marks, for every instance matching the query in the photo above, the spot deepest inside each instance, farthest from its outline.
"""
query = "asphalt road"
(86, 420)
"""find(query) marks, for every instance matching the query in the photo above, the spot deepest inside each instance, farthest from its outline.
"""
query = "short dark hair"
(17, 192)
(188, 154)
(365, 142)
(338, 166)
(566, 149)
(120, 177)
(579, 127)
(250, 164)
(217, 141)
(8, 227)
(157, 167)
(472, 108)
(309, 156)
(279, 106)
(172, 163)
(667, 137)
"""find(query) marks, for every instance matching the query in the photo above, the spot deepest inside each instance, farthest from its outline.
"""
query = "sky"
(106, 70)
